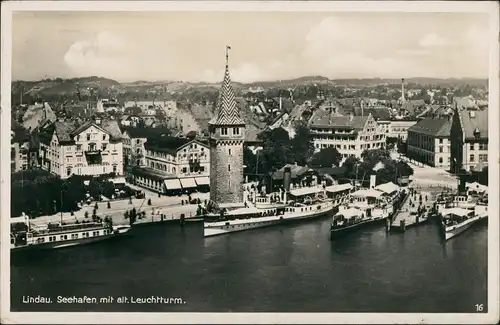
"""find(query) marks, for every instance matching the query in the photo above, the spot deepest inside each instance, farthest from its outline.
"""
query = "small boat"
(27, 236)
(455, 221)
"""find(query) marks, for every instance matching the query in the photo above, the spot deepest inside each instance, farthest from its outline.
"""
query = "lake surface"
(278, 269)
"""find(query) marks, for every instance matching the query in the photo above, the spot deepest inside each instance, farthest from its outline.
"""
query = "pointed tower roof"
(226, 112)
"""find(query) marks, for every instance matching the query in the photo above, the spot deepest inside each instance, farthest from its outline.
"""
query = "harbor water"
(290, 268)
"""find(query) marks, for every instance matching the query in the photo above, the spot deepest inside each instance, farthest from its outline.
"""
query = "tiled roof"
(296, 171)
(166, 144)
(379, 114)
(340, 122)
(434, 127)
(20, 133)
(251, 133)
(472, 120)
(146, 132)
(227, 112)
(113, 128)
(64, 130)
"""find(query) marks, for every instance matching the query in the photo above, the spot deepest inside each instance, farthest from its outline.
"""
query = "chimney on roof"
(351, 117)
(472, 114)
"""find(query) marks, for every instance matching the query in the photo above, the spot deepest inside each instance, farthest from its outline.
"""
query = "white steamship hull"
(308, 212)
(118, 232)
(453, 231)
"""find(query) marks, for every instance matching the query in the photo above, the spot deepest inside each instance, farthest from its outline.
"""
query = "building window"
(103, 146)
(114, 169)
(440, 149)
(78, 147)
(440, 160)
(483, 158)
(77, 138)
(440, 141)
(223, 131)
(472, 146)
(88, 137)
(230, 152)
(471, 158)
(184, 169)
(483, 146)
(228, 168)
(236, 131)
(68, 171)
(104, 136)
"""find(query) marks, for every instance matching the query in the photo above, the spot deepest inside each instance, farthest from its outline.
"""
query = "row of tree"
(37, 192)
(279, 149)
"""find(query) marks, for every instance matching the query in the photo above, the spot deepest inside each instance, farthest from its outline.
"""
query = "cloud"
(433, 40)
(337, 50)
(105, 54)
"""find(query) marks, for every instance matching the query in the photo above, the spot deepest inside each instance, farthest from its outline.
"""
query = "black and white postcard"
(249, 162)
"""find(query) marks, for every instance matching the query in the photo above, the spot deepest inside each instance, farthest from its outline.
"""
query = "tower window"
(229, 168)
(223, 131)
(230, 152)
(236, 131)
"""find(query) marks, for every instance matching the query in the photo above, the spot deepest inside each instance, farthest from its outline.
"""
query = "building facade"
(133, 149)
(227, 136)
(469, 145)
(93, 148)
(174, 165)
(19, 147)
(186, 160)
(350, 135)
(429, 142)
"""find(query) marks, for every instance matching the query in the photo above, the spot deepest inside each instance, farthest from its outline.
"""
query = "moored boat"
(27, 236)
(365, 207)
(455, 221)
(306, 203)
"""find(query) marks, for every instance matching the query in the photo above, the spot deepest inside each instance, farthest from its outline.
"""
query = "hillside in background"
(66, 89)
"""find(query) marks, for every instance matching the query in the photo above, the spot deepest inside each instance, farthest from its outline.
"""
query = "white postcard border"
(492, 316)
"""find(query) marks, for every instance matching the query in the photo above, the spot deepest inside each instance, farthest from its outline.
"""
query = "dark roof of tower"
(226, 112)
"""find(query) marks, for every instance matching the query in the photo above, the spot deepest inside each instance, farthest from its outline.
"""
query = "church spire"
(226, 112)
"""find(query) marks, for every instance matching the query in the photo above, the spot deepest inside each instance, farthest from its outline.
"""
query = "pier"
(415, 211)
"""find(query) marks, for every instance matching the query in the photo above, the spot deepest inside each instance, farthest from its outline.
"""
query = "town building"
(108, 105)
(469, 144)
(350, 135)
(399, 128)
(429, 142)
(19, 147)
(134, 138)
(174, 165)
(227, 137)
(150, 106)
(92, 148)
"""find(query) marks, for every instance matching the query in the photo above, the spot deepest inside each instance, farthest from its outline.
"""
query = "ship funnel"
(462, 186)
(373, 181)
(287, 179)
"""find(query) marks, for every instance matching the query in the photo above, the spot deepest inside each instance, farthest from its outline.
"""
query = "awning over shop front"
(188, 182)
(172, 184)
(202, 180)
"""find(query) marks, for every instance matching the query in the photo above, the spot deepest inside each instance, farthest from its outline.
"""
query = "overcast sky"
(190, 46)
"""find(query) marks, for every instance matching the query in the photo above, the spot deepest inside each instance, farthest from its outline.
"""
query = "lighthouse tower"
(227, 135)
